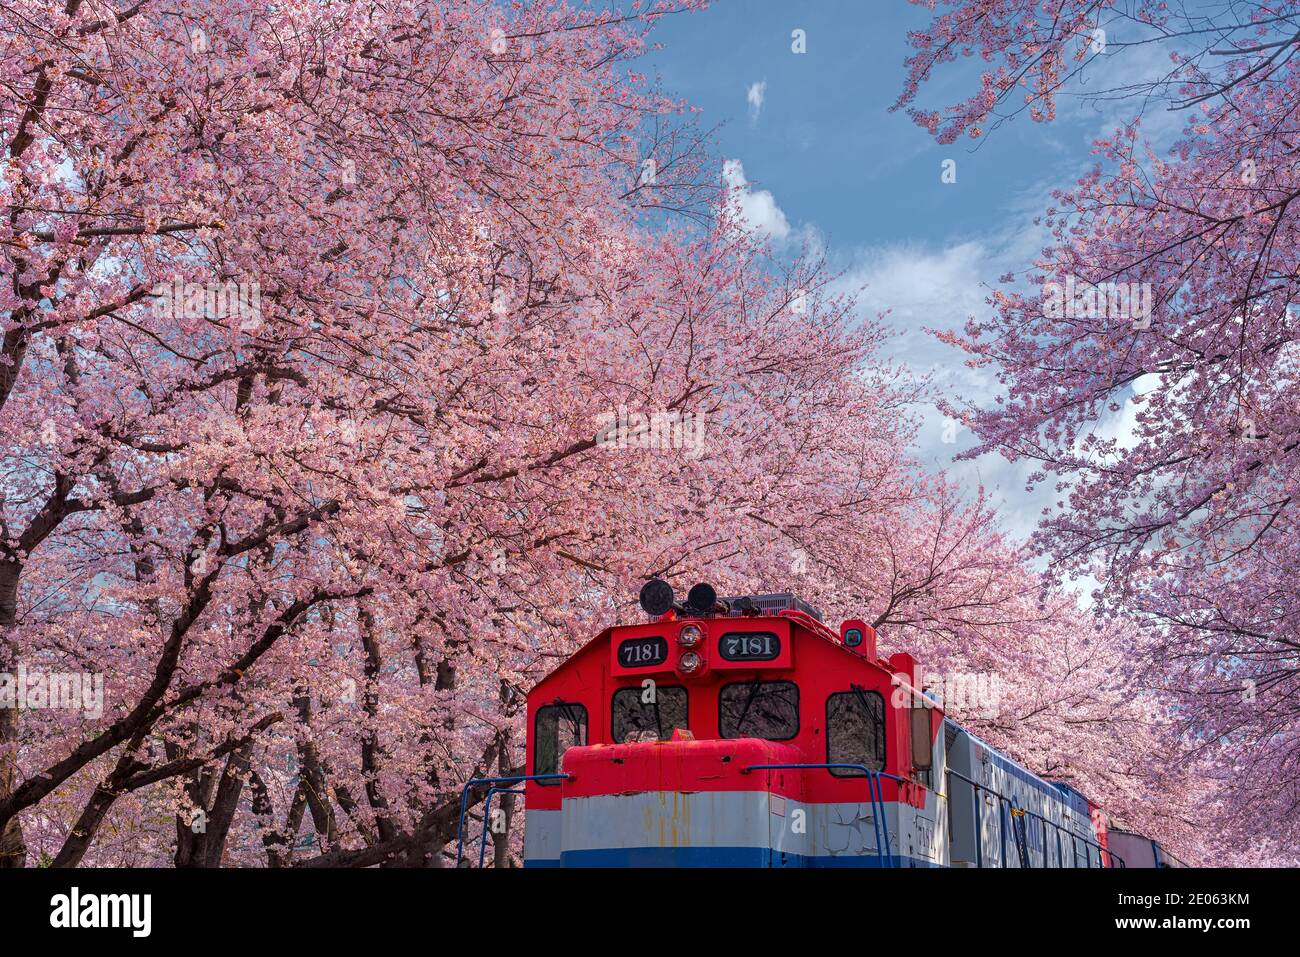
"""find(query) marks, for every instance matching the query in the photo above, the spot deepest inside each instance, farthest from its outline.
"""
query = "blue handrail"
(493, 783)
(487, 817)
(874, 788)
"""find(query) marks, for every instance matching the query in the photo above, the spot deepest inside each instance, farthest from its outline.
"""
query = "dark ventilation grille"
(777, 601)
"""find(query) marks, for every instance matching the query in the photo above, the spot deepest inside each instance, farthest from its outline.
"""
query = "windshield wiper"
(744, 713)
(571, 715)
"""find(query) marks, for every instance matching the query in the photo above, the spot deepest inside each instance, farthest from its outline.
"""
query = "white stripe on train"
(753, 820)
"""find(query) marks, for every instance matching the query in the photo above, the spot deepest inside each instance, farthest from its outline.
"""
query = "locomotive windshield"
(636, 719)
(759, 709)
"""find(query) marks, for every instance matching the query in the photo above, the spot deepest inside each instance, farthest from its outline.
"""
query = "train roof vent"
(774, 602)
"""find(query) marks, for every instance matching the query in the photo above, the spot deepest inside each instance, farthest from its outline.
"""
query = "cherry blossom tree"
(324, 332)
(274, 271)
(1170, 430)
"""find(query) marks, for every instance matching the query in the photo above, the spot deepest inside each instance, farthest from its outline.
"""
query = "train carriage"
(747, 733)
(1140, 851)
(1004, 815)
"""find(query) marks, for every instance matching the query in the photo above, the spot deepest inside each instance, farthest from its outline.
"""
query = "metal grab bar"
(979, 836)
(494, 788)
(874, 788)
(487, 817)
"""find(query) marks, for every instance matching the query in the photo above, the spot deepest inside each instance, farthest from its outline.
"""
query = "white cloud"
(940, 287)
(922, 288)
(1122, 427)
(758, 208)
(757, 91)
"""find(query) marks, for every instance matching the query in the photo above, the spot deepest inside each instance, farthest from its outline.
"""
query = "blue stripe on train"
(712, 857)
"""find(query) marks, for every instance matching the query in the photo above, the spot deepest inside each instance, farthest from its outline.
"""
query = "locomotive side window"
(759, 709)
(635, 719)
(921, 738)
(855, 731)
(557, 728)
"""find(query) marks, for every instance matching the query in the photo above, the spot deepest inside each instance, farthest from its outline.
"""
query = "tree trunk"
(13, 851)
(83, 832)
(501, 838)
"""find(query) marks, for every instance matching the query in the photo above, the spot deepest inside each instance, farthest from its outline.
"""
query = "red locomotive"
(746, 733)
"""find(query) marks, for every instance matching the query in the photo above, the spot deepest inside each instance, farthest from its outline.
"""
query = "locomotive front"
(733, 733)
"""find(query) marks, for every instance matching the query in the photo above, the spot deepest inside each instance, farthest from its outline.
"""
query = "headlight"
(689, 663)
(689, 636)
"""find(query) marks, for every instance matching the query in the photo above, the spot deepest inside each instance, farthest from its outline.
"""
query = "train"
(746, 732)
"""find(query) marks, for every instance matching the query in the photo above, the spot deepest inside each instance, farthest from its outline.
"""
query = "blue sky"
(824, 142)
(824, 157)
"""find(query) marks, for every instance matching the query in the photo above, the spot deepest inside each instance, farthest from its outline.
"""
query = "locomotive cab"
(734, 733)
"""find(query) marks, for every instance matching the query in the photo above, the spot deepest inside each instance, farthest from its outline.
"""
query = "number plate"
(749, 646)
(642, 652)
